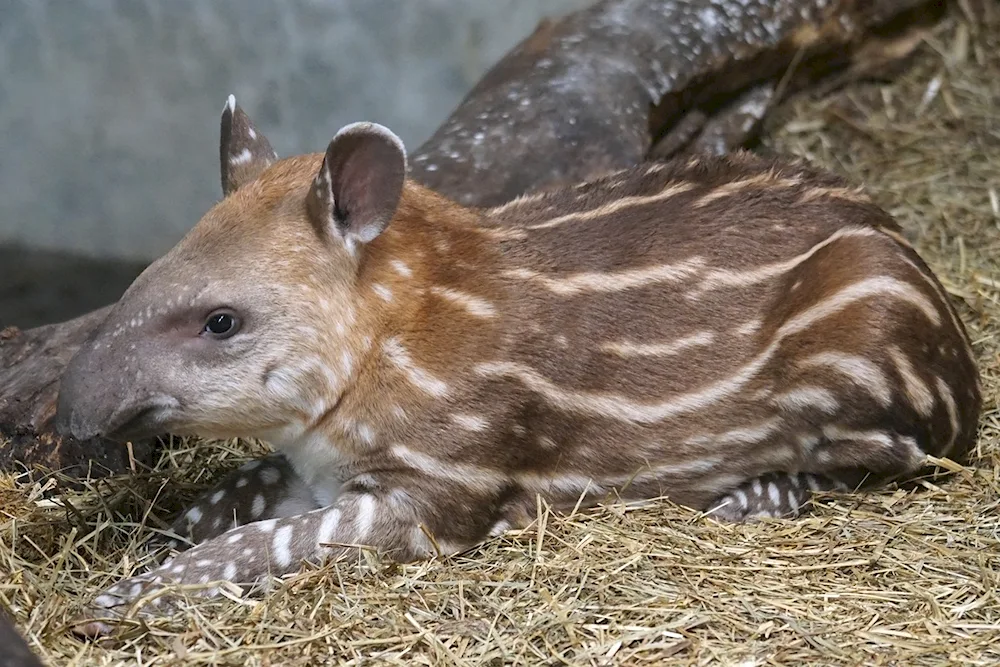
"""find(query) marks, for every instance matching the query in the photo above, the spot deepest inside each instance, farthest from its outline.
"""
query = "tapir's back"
(718, 319)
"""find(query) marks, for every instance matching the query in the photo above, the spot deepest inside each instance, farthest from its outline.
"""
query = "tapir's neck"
(430, 303)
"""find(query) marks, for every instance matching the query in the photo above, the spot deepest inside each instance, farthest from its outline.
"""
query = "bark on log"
(599, 89)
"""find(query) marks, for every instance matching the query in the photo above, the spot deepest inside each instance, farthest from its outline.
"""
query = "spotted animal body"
(731, 332)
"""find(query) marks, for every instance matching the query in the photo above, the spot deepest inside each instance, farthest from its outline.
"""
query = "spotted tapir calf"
(732, 333)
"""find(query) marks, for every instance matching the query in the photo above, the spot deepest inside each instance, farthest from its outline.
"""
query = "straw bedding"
(904, 576)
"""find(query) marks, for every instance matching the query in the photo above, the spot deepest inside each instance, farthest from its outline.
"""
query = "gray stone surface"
(109, 109)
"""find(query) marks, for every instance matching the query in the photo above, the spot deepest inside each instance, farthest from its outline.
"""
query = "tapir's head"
(242, 327)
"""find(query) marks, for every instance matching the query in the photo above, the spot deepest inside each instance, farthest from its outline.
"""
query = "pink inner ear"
(367, 170)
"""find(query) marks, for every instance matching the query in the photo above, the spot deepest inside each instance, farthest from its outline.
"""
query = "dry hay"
(903, 576)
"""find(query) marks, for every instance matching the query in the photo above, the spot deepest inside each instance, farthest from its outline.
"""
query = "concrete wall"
(109, 108)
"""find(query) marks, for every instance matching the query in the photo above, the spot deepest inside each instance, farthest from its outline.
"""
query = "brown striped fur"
(680, 329)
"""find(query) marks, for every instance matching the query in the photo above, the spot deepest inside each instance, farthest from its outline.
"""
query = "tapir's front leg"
(265, 488)
(395, 514)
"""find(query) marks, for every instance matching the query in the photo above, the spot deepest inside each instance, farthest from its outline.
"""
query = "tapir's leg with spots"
(776, 495)
(267, 488)
(394, 513)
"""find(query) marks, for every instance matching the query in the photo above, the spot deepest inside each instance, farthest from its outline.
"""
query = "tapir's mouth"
(140, 425)
(141, 421)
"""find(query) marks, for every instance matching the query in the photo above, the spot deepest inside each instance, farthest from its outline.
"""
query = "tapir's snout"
(70, 424)
(82, 411)
(98, 398)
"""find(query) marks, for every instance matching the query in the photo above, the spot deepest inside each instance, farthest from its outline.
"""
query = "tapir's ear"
(358, 187)
(244, 153)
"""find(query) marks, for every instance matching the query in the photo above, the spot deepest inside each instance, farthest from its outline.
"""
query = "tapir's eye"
(221, 325)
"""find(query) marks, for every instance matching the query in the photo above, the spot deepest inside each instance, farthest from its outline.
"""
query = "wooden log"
(597, 90)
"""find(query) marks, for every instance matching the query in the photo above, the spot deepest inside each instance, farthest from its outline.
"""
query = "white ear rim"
(230, 103)
(367, 127)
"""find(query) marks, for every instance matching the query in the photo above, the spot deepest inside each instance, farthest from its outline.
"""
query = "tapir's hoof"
(102, 616)
(91, 629)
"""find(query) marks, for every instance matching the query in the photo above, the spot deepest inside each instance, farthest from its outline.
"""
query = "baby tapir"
(731, 333)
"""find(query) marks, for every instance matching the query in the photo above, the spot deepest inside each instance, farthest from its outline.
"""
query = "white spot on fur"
(328, 526)
(234, 538)
(474, 305)
(194, 515)
(470, 422)
(499, 528)
(259, 504)
(242, 157)
(944, 391)
(365, 516)
(807, 441)
(270, 475)
(250, 131)
(241, 482)
(802, 398)
(860, 371)
(769, 180)
(417, 376)
(217, 496)
(774, 494)
(612, 281)
(106, 601)
(913, 386)
(457, 472)
(545, 442)
(628, 349)
(671, 190)
(230, 572)
(740, 436)
(282, 546)
(365, 432)
(401, 268)
(836, 433)
(383, 292)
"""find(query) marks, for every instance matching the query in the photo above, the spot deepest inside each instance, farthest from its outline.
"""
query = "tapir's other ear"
(358, 187)
(244, 153)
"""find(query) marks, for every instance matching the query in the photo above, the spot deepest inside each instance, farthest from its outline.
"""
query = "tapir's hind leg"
(775, 495)
(267, 488)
